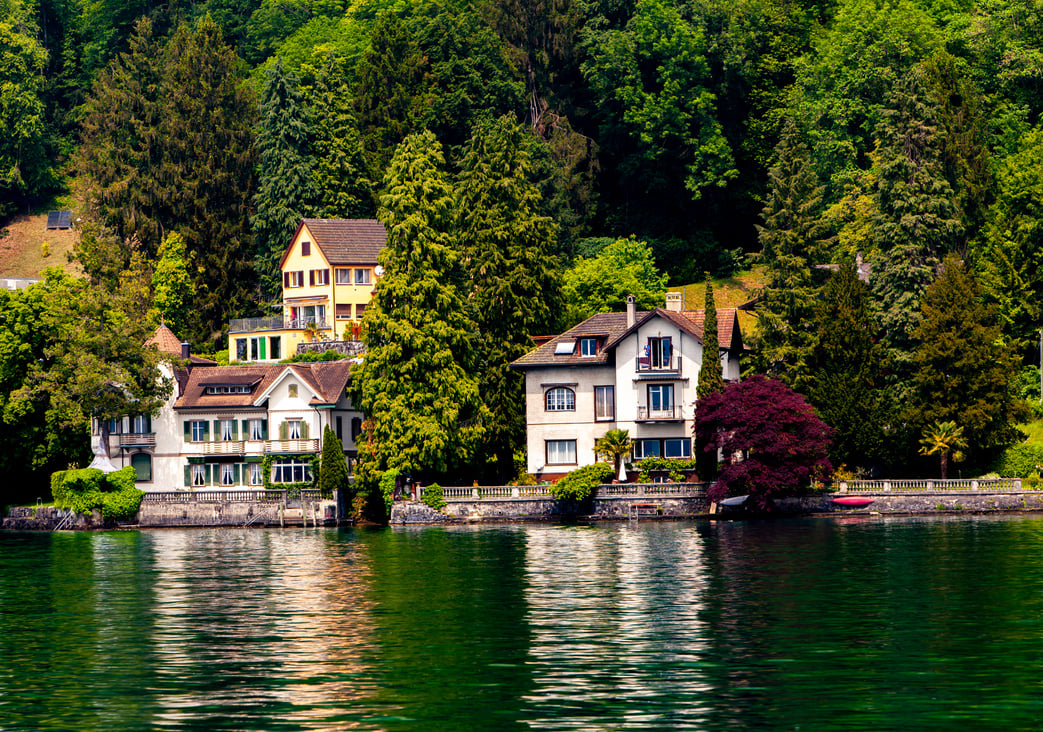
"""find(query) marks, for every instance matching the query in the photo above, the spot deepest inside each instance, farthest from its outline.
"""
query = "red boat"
(856, 501)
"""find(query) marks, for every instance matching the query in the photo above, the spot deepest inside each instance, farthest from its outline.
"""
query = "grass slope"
(22, 239)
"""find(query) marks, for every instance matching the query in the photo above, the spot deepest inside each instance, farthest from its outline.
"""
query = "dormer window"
(588, 347)
(565, 348)
(227, 389)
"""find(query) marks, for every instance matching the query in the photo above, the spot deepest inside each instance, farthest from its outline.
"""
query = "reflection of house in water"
(294, 644)
(604, 604)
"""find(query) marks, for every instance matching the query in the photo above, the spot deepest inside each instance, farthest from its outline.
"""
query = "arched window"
(142, 464)
(561, 399)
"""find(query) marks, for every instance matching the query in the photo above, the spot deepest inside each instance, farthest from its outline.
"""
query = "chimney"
(631, 311)
(186, 350)
(674, 302)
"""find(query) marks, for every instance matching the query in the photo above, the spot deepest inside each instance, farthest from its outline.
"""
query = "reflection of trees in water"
(261, 624)
(616, 636)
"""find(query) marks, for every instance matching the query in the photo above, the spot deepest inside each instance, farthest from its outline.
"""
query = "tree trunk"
(945, 464)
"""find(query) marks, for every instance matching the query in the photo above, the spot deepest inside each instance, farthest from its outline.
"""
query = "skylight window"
(565, 348)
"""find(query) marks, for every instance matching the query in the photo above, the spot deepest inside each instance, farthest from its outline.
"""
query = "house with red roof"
(636, 371)
(329, 272)
(221, 422)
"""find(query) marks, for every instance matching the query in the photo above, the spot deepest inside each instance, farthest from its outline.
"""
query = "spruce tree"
(515, 278)
(792, 240)
(417, 384)
(286, 188)
(172, 285)
(843, 380)
(711, 380)
(333, 471)
(962, 373)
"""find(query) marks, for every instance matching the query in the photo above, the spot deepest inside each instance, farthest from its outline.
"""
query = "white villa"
(220, 422)
(636, 371)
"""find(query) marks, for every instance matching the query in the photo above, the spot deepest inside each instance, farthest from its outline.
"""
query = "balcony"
(143, 439)
(287, 447)
(658, 366)
(222, 447)
(669, 414)
(277, 322)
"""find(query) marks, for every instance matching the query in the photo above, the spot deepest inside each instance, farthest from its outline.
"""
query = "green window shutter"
(284, 431)
(188, 431)
(264, 429)
(148, 423)
(217, 430)
(235, 473)
(188, 475)
(264, 345)
(235, 431)
(304, 430)
(206, 430)
(209, 474)
(246, 429)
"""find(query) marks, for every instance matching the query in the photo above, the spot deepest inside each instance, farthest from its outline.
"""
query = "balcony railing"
(146, 439)
(278, 322)
(658, 365)
(223, 447)
(291, 446)
(670, 414)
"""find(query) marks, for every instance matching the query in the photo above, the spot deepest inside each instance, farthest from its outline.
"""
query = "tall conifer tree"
(417, 384)
(515, 280)
(286, 191)
(711, 380)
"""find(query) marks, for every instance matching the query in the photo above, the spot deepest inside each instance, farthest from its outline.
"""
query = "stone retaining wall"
(925, 502)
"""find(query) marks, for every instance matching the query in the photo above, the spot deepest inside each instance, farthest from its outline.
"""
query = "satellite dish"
(378, 270)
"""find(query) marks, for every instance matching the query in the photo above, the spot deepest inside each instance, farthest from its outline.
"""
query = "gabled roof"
(326, 380)
(166, 342)
(344, 241)
(610, 328)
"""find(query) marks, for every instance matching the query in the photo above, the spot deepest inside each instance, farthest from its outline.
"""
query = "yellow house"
(329, 272)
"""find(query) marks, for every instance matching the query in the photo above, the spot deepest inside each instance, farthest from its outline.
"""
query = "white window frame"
(560, 399)
(227, 430)
(560, 452)
(291, 471)
(255, 474)
(665, 398)
(198, 474)
(588, 347)
(605, 403)
(140, 425)
(342, 276)
(227, 474)
(293, 428)
(660, 352)
(256, 429)
(198, 430)
(362, 277)
(296, 278)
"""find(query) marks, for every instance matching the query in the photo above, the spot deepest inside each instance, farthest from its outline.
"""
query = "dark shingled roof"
(328, 379)
(611, 327)
(348, 241)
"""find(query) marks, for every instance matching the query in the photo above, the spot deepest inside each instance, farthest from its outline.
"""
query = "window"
(255, 474)
(343, 312)
(255, 349)
(660, 398)
(360, 309)
(561, 452)
(198, 475)
(294, 279)
(361, 276)
(198, 430)
(257, 430)
(356, 428)
(142, 464)
(227, 474)
(680, 447)
(227, 389)
(340, 428)
(291, 390)
(240, 349)
(293, 429)
(588, 347)
(319, 277)
(561, 399)
(275, 343)
(605, 402)
(141, 424)
(228, 430)
(115, 426)
(291, 471)
(343, 276)
(659, 352)
(305, 248)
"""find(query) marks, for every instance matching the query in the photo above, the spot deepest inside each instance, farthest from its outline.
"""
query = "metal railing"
(654, 364)
(146, 439)
(962, 484)
(248, 325)
(253, 496)
(644, 414)
(305, 323)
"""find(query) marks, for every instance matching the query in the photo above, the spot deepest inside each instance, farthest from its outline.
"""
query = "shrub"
(677, 468)
(387, 487)
(1019, 461)
(88, 489)
(579, 485)
(433, 497)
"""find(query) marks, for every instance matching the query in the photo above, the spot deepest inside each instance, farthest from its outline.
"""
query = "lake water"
(824, 624)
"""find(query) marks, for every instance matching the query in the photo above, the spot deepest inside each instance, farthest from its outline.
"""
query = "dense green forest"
(797, 133)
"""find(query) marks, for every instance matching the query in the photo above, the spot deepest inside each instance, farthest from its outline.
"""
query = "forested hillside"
(795, 133)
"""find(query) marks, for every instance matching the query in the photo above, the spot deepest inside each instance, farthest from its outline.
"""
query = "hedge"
(88, 489)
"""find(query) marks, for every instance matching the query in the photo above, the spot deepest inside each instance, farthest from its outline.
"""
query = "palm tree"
(614, 446)
(944, 438)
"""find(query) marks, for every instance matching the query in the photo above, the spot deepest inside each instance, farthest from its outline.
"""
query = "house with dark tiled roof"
(220, 422)
(634, 370)
(329, 271)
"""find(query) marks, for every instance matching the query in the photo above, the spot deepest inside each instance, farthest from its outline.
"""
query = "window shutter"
(209, 474)
(217, 430)
(305, 248)
(327, 277)
(148, 423)
(284, 431)
(285, 279)
(246, 429)
(264, 429)
(311, 277)
(304, 430)
(264, 342)
(188, 475)
(235, 431)
(206, 431)
(235, 473)
(300, 278)
(188, 431)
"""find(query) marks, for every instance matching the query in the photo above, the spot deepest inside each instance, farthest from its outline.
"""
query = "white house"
(220, 422)
(636, 371)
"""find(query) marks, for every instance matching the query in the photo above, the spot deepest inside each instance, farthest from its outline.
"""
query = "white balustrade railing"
(926, 484)
(258, 496)
(617, 490)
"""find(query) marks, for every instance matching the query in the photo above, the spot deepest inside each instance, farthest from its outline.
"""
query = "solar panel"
(59, 219)
(564, 348)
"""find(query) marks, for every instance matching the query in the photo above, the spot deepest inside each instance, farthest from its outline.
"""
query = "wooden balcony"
(145, 439)
(287, 447)
(223, 447)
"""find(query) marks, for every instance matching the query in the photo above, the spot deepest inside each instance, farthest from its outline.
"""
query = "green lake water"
(825, 624)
